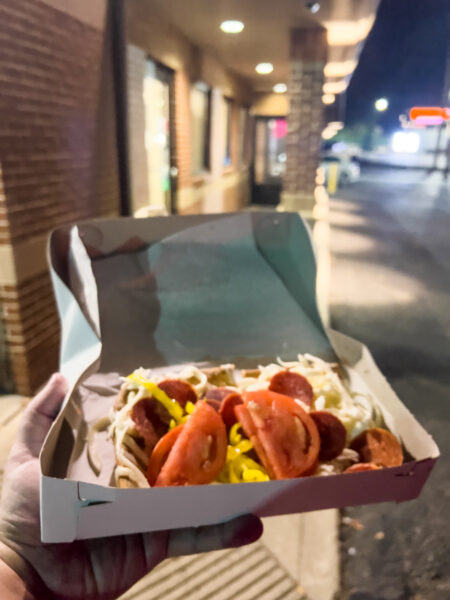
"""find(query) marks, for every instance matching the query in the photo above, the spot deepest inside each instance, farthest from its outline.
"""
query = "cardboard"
(204, 289)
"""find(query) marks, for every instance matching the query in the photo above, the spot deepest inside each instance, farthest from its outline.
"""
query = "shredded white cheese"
(356, 412)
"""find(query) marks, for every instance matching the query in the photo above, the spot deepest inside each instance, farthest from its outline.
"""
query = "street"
(390, 288)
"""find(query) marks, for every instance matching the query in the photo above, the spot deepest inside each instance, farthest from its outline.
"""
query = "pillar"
(308, 53)
(58, 164)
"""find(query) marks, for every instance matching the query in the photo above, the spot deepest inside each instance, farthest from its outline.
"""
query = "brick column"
(305, 119)
(58, 164)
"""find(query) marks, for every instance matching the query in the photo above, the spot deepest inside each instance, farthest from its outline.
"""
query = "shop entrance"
(160, 173)
(270, 160)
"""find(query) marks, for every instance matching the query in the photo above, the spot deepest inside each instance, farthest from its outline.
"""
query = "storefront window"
(200, 118)
(243, 134)
(227, 137)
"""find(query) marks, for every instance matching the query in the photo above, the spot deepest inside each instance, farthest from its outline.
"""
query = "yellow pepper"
(172, 406)
(240, 468)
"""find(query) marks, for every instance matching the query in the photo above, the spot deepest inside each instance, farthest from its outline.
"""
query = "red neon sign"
(429, 115)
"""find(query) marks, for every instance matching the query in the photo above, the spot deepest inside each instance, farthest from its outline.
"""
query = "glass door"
(157, 90)
(270, 160)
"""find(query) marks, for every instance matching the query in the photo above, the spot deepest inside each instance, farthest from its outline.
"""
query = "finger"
(48, 401)
(232, 534)
(40, 413)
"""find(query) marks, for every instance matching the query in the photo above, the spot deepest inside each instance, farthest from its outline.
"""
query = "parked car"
(348, 167)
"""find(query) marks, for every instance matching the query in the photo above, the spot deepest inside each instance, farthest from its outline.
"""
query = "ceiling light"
(334, 87)
(338, 125)
(328, 98)
(340, 68)
(264, 68)
(328, 133)
(313, 7)
(280, 88)
(349, 33)
(232, 26)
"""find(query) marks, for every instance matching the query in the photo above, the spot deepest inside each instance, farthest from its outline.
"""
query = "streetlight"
(381, 104)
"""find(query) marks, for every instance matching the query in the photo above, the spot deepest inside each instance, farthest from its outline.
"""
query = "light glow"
(338, 125)
(232, 26)
(328, 98)
(429, 120)
(381, 104)
(406, 142)
(429, 115)
(280, 88)
(334, 87)
(349, 33)
(340, 68)
(328, 133)
(264, 68)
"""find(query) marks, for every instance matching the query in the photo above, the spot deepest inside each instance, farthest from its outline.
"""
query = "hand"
(98, 568)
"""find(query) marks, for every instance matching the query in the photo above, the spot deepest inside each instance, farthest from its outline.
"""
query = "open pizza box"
(204, 290)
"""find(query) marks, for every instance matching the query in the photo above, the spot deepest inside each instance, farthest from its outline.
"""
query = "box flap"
(181, 298)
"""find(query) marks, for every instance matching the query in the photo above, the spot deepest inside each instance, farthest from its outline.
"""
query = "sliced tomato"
(199, 452)
(361, 467)
(251, 432)
(293, 385)
(180, 391)
(378, 446)
(227, 407)
(284, 435)
(332, 434)
(215, 404)
(161, 452)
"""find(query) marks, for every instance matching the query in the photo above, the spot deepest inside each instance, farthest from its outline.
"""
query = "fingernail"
(246, 530)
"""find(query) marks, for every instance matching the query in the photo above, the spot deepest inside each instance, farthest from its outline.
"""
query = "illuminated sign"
(429, 115)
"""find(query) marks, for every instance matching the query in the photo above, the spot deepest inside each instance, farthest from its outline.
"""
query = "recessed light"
(328, 98)
(264, 68)
(334, 87)
(232, 26)
(280, 88)
(313, 7)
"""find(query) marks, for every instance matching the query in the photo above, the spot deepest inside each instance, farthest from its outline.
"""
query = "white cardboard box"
(202, 289)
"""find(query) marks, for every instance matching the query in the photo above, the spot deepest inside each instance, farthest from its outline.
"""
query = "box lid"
(169, 290)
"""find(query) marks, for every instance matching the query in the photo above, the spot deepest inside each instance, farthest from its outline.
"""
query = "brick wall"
(32, 331)
(58, 163)
(305, 118)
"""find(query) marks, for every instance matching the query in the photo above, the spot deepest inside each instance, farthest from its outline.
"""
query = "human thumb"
(40, 413)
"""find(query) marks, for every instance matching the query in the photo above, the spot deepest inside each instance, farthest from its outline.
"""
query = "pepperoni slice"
(293, 385)
(151, 420)
(161, 452)
(180, 391)
(219, 393)
(283, 434)
(199, 452)
(332, 434)
(226, 410)
(361, 467)
(378, 446)
(215, 404)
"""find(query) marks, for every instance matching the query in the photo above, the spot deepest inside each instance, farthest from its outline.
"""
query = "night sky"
(403, 60)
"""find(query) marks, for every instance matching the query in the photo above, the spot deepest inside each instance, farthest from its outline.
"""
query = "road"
(390, 288)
